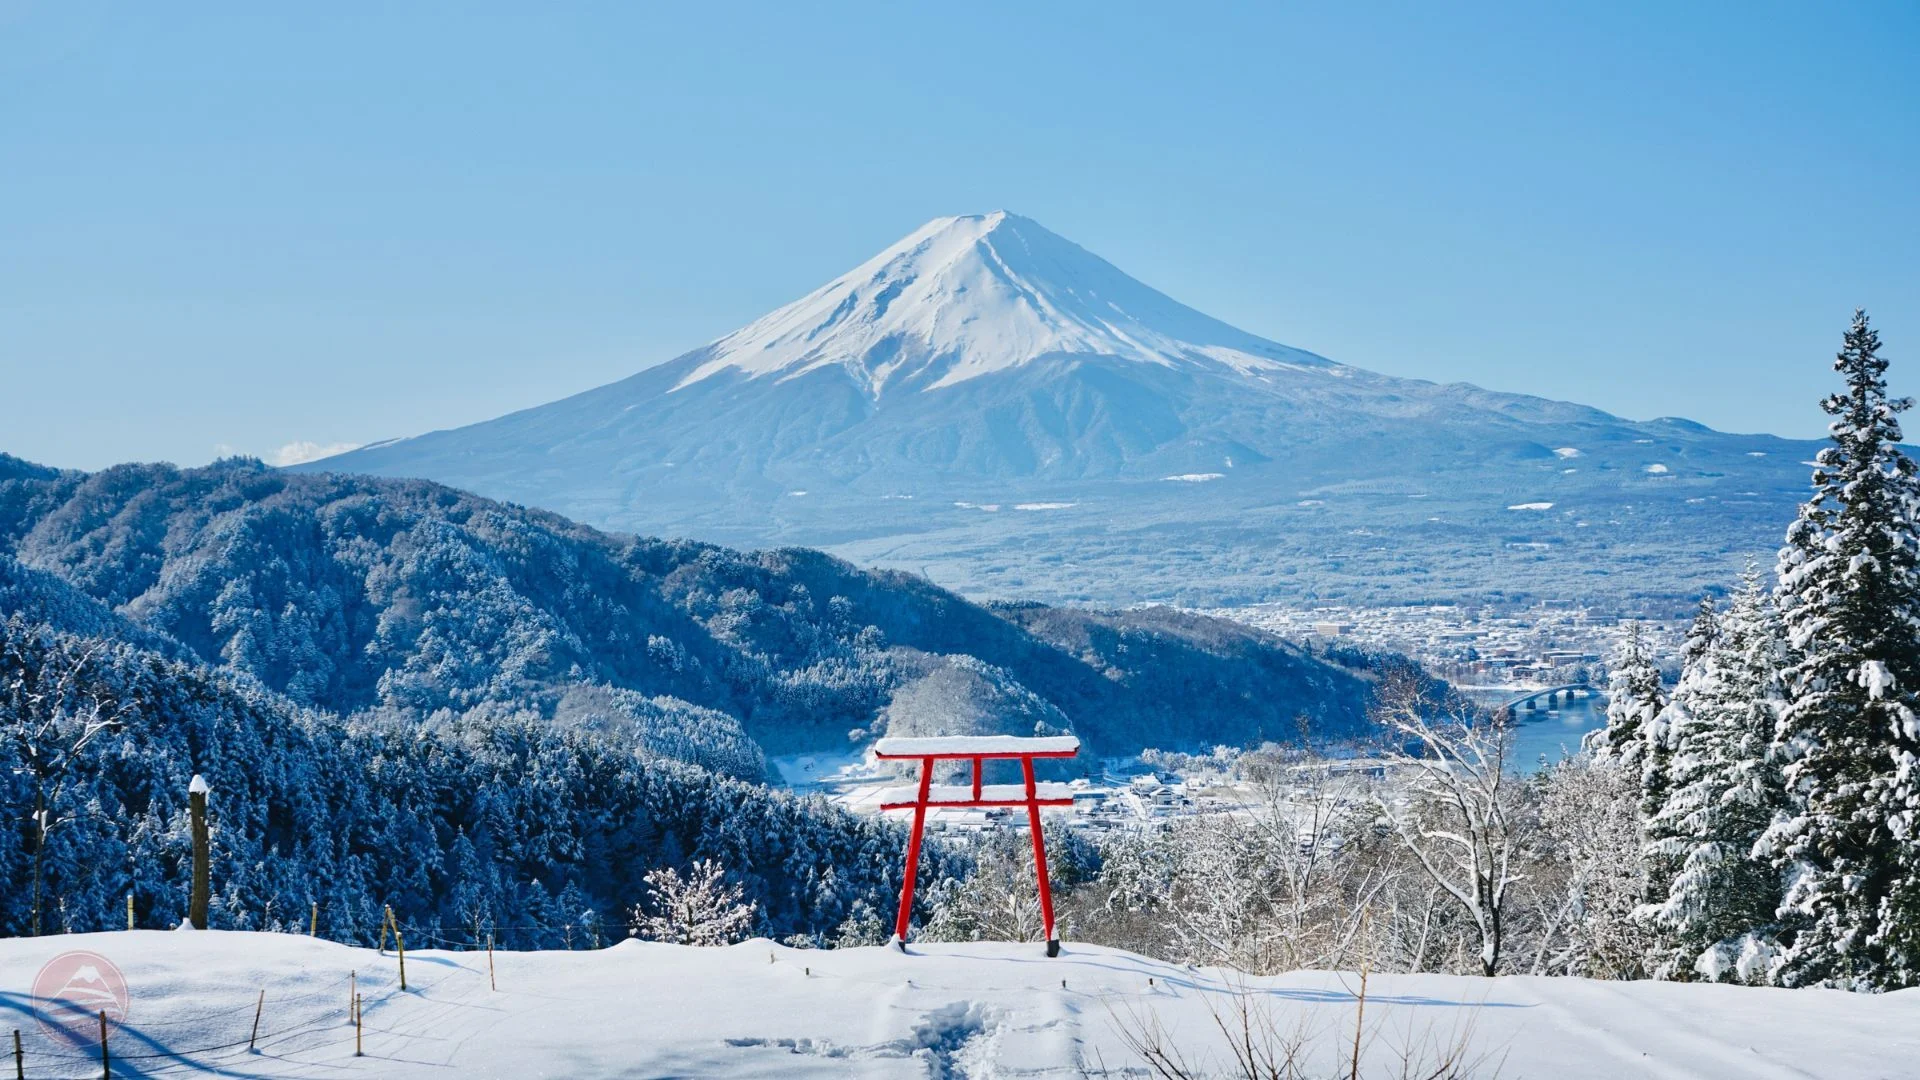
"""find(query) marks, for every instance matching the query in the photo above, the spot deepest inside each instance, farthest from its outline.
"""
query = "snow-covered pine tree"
(1710, 916)
(1849, 594)
(1635, 699)
(1691, 706)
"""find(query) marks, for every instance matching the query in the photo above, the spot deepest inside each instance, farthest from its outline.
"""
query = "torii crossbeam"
(926, 796)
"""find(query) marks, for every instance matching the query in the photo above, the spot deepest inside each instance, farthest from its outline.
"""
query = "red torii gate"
(976, 748)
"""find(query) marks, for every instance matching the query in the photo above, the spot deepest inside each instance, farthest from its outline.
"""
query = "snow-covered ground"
(982, 1010)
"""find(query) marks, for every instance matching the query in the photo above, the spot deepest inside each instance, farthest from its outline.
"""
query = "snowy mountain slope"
(949, 1011)
(964, 297)
(354, 592)
(990, 399)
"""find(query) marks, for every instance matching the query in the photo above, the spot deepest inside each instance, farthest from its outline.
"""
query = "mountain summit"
(963, 297)
(993, 405)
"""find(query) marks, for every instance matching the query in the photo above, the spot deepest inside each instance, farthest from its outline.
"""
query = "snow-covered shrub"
(1586, 872)
(700, 908)
(864, 925)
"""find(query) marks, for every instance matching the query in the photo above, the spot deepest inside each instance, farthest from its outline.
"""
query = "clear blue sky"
(241, 227)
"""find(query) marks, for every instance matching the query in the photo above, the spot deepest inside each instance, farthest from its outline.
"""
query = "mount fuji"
(994, 405)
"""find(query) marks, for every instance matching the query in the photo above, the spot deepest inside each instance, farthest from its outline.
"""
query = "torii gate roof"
(969, 746)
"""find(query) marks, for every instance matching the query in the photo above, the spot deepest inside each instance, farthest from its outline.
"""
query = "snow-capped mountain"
(992, 403)
(965, 297)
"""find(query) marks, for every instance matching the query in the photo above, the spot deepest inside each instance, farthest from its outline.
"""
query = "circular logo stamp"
(72, 990)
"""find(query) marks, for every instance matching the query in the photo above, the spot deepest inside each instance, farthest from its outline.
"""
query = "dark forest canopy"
(491, 819)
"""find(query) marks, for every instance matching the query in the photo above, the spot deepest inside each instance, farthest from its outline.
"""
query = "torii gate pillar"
(926, 796)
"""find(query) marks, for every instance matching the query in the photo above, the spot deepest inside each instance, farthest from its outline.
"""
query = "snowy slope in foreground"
(985, 1010)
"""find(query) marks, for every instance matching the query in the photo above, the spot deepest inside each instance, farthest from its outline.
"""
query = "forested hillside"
(350, 593)
(492, 819)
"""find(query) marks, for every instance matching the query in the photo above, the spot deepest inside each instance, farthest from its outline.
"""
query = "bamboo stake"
(400, 944)
(356, 1025)
(353, 994)
(491, 984)
(257, 1006)
(1360, 1007)
(129, 911)
(313, 923)
(106, 1063)
(1359, 1024)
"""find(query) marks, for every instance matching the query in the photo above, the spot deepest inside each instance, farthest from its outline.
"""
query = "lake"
(1544, 734)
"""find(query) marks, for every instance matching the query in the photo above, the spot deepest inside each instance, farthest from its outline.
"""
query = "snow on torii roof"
(977, 746)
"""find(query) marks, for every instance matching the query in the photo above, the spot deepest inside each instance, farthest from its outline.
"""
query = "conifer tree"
(1849, 593)
(1691, 705)
(1635, 699)
(1711, 914)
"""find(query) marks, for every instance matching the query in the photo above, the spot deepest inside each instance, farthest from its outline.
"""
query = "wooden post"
(313, 922)
(400, 944)
(491, 985)
(356, 1025)
(129, 911)
(106, 1064)
(257, 1006)
(384, 927)
(202, 853)
(19, 1059)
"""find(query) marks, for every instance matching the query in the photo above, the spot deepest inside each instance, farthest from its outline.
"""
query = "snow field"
(977, 1010)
